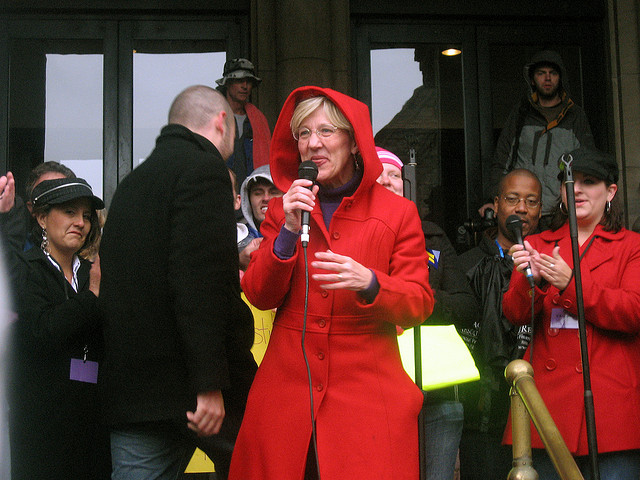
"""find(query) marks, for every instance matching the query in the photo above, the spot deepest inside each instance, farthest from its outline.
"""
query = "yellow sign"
(446, 360)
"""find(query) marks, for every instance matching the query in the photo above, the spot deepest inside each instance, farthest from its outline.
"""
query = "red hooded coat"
(610, 273)
(365, 405)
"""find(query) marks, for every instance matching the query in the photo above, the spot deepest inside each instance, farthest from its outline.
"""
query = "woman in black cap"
(610, 271)
(54, 427)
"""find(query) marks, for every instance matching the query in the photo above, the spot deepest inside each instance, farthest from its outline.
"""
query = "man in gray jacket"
(541, 127)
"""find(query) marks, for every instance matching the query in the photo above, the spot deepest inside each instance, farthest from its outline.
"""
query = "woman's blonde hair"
(310, 105)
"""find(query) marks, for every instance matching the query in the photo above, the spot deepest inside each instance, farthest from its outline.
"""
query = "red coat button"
(550, 364)
(556, 299)
(320, 356)
(324, 294)
(336, 235)
(567, 304)
(319, 387)
(322, 323)
(579, 368)
(553, 332)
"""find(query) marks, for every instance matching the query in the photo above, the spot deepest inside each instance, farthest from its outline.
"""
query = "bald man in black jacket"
(177, 365)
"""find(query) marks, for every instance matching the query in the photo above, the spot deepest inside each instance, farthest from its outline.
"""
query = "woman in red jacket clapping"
(610, 268)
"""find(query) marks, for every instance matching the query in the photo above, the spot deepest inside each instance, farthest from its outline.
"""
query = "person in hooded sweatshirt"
(367, 273)
(541, 127)
(255, 193)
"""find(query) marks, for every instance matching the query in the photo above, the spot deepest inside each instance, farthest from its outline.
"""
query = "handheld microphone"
(514, 225)
(308, 171)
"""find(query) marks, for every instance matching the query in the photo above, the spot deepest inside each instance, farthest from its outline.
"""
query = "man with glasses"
(541, 127)
(494, 342)
(251, 149)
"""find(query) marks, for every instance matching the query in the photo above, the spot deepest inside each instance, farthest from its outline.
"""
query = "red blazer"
(365, 405)
(611, 290)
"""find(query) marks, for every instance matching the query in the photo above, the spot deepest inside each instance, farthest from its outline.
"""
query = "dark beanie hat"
(591, 162)
(61, 190)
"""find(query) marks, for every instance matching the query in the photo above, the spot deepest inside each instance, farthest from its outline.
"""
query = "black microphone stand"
(565, 165)
(410, 193)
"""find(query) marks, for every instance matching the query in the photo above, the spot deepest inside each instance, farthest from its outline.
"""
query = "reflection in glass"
(73, 115)
(157, 79)
(417, 104)
(55, 106)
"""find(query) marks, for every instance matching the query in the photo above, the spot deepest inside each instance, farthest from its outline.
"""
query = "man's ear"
(220, 122)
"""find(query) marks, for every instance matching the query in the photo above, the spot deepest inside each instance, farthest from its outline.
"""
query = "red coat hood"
(285, 157)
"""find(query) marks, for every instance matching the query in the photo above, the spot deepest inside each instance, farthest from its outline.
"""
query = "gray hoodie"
(548, 57)
(245, 204)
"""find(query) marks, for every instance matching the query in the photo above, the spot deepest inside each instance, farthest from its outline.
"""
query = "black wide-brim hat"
(61, 190)
(237, 69)
(591, 162)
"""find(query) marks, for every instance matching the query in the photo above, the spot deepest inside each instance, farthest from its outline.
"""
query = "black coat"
(494, 341)
(455, 302)
(173, 319)
(55, 424)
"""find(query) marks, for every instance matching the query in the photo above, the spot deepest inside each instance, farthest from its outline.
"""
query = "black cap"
(61, 190)
(591, 162)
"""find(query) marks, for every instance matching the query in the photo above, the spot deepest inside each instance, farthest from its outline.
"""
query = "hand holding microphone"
(308, 171)
(299, 200)
(514, 225)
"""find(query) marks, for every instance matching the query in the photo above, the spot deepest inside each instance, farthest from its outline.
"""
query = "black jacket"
(55, 425)
(455, 303)
(493, 342)
(174, 322)
(14, 226)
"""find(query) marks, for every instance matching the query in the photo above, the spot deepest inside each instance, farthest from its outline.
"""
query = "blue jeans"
(162, 450)
(622, 465)
(443, 429)
(146, 452)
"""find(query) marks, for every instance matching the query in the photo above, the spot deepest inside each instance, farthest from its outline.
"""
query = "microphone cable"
(533, 296)
(314, 439)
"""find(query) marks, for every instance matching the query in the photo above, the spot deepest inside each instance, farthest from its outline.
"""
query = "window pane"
(417, 103)
(55, 105)
(157, 80)
(73, 119)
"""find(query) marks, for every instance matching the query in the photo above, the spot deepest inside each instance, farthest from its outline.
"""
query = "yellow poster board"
(263, 322)
(446, 360)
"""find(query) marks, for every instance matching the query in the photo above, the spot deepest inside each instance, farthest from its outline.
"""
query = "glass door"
(93, 95)
(416, 80)
(157, 60)
(55, 98)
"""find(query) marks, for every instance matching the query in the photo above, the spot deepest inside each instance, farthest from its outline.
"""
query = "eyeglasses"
(324, 131)
(513, 200)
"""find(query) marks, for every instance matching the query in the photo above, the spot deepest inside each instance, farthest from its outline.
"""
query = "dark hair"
(612, 220)
(234, 180)
(93, 237)
(41, 169)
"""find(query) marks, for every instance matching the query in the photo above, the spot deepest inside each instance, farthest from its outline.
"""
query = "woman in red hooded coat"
(367, 273)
